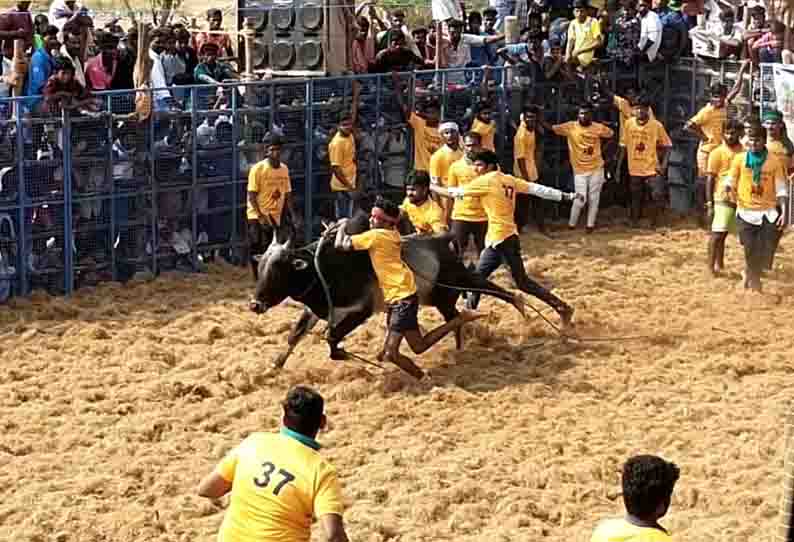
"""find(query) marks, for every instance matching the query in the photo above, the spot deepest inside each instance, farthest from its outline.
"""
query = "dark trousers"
(462, 230)
(509, 252)
(759, 242)
(259, 238)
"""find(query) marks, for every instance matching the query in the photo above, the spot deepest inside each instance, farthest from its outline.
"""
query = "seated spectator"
(650, 31)
(769, 47)
(42, 64)
(648, 483)
(397, 57)
(724, 42)
(186, 52)
(16, 23)
(584, 37)
(626, 34)
(215, 35)
(101, 69)
(755, 29)
(73, 50)
(555, 69)
(674, 31)
(209, 70)
(40, 24)
(63, 92)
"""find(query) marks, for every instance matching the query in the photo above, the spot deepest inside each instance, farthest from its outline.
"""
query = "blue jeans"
(509, 252)
(343, 205)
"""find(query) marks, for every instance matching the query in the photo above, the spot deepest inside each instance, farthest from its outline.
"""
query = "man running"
(497, 192)
(398, 285)
(279, 481)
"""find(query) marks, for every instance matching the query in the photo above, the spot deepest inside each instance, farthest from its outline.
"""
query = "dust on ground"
(114, 403)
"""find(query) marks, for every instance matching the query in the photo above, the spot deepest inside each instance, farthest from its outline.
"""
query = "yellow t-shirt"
(719, 165)
(524, 148)
(584, 144)
(584, 34)
(461, 173)
(440, 162)
(497, 191)
(620, 530)
(342, 153)
(395, 278)
(426, 218)
(710, 120)
(779, 151)
(626, 113)
(487, 132)
(749, 196)
(427, 140)
(279, 481)
(642, 143)
(271, 186)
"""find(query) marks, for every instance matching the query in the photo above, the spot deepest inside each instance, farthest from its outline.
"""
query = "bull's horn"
(287, 243)
(273, 242)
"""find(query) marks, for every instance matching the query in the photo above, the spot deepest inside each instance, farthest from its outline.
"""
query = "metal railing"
(92, 198)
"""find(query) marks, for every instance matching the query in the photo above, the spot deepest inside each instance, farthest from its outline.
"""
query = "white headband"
(448, 126)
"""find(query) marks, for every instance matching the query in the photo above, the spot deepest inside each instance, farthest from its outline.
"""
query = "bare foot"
(566, 319)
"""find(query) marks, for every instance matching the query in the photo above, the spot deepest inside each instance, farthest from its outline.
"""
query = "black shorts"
(462, 229)
(403, 315)
(259, 237)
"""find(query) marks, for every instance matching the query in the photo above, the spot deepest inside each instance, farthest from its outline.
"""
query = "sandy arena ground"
(113, 404)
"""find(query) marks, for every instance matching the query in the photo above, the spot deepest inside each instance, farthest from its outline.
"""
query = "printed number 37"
(268, 469)
(509, 191)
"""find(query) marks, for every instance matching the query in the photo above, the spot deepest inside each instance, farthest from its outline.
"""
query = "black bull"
(355, 295)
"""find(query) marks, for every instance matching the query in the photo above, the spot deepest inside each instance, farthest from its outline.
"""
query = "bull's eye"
(299, 264)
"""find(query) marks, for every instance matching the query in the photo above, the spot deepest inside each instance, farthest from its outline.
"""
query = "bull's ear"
(299, 264)
(258, 257)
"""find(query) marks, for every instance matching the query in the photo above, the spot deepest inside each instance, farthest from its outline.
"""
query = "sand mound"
(114, 403)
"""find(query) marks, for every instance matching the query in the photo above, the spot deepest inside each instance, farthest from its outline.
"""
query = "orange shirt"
(584, 144)
(642, 144)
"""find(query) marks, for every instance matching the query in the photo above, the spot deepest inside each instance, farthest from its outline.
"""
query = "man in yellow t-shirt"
(779, 146)
(525, 159)
(759, 181)
(648, 482)
(707, 125)
(425, 215)
(446, 155)
(342, 155)
(269, 190)
(497, 191)
(721, 206)
(469, 220)
(584, 149)
(398, 285)
(485, 126)
(424, 127)
(584, 36)
(648, 147)
(279, 481)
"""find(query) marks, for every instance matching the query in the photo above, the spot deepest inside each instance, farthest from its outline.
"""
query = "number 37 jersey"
(497, 191)
(279, 481)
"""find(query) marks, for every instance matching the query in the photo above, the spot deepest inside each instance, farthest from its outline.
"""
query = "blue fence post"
(194, 178)
(235, 176)
(114, 227)
(309, 154)
(22, 227)
(154, 242)
(68, 233)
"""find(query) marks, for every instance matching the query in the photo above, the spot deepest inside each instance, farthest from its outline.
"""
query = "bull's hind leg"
(350, 322)
(444, 300)
(303, 326)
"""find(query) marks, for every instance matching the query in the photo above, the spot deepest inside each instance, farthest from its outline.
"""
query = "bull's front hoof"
(256, 307)
(337, 354)
(279, 362)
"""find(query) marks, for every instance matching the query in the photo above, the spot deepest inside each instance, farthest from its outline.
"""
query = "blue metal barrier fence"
(92, 198)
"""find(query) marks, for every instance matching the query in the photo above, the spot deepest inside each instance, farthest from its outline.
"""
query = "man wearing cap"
(279, 481)
(398, 284)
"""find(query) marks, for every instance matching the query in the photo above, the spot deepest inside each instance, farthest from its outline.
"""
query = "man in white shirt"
(72, 49)
(650, 30)
(456, 53)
